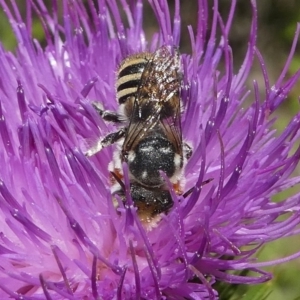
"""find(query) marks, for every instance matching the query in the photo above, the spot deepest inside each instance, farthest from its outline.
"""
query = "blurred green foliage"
(7, 37)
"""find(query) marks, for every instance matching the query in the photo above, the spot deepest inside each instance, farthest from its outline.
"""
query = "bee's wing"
(157, 100)
(172, 127)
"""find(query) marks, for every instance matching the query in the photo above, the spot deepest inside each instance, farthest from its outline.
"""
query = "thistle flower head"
(61, 236)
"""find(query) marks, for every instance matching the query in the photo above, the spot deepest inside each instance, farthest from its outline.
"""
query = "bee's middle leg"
(187, 150)
(107, 141)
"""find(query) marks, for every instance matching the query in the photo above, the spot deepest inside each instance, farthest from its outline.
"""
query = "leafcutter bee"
(148, 91)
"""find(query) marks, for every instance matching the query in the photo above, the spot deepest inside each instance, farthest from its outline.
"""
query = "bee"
(148, 91)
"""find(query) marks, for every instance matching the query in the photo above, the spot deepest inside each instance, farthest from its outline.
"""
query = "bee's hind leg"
(111, 138)
(108, 115)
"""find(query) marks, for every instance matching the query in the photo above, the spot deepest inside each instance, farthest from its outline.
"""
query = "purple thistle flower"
(61, 237)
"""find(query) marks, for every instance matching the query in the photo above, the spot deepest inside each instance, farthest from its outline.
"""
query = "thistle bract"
(61, 236)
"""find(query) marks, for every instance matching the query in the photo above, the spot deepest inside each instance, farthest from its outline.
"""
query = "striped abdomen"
(129, 75)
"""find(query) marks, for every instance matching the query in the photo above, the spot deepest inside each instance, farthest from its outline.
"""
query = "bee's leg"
(187, 150)
(108, 140)
(108, 115)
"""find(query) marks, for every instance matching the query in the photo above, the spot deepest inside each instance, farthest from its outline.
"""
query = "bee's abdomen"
(129, 76)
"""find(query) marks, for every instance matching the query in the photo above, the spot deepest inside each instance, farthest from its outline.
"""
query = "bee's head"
(149, 202)
(154, 200)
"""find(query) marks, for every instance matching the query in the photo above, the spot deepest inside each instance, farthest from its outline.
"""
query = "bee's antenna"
(120, 182)
(188, 192)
